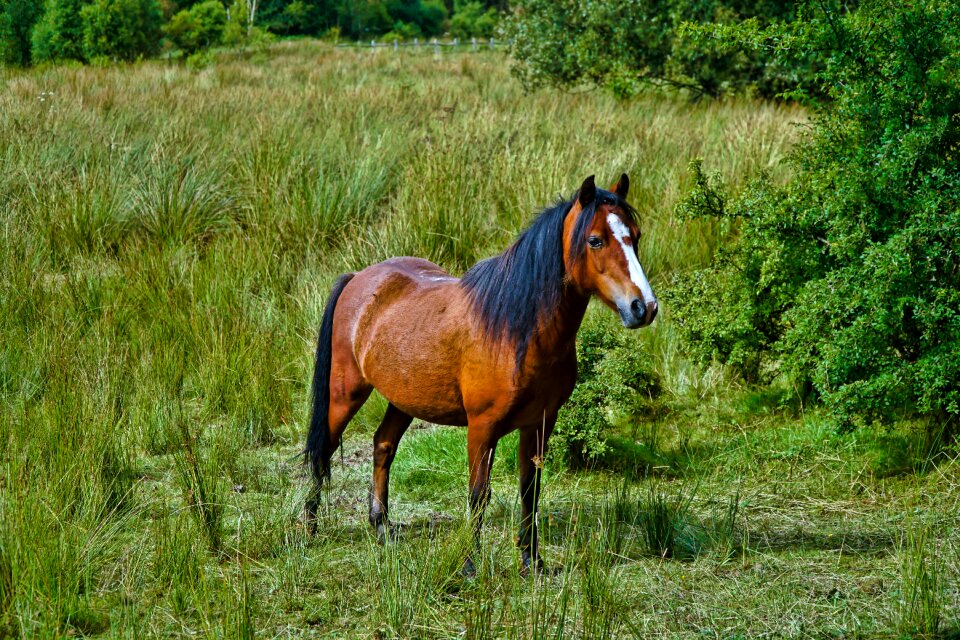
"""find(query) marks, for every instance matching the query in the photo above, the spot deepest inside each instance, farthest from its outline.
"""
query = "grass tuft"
(7, 586)
(920, 606)
(240, 609)
(181, 204)
(412, 578)
(664, 523)
(202, 489)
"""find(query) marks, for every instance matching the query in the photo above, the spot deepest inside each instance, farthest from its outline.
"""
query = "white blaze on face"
(622, 234)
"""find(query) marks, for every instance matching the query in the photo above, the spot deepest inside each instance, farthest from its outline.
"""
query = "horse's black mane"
(511, 291)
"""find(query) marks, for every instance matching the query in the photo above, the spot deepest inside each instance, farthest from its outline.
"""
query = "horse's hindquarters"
(407, 321)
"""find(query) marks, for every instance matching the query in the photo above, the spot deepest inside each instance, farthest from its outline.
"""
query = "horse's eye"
(595, 242)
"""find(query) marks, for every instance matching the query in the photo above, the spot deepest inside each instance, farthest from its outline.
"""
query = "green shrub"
(121, 29)
(198, 27)
(302, 17)
(200, 60)
(359, 20)
(367, 20)
(238, 24)
(332, 34)
(720, 315)
(234, 34)
(297, 16)
(848, 278)
(59, 33)
(611, 376)
(402, 31)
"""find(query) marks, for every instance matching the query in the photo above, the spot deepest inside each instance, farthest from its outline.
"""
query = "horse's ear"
(622, 186)
(588, 191)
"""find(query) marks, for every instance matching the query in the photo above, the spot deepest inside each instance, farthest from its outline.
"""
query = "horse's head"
(600, 250)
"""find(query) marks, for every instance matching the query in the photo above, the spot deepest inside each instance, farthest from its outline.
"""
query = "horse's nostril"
(638, 309)
(653, 311)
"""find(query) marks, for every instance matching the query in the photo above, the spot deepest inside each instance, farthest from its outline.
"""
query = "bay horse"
(493, 350)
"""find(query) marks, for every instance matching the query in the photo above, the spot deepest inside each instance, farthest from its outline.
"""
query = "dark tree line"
(35, 31)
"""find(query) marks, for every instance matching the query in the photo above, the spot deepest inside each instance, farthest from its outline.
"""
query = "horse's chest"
(543, 393)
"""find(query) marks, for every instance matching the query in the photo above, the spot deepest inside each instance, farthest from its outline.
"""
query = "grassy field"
(168, 240)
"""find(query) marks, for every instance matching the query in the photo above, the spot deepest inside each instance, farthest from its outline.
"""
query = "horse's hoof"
(310, 520)
(536, 565)
(469, 570)
(388, 533)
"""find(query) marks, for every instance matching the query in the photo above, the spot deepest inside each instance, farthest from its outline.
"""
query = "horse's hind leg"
(385, 441)
(346, 398)
(348, 392)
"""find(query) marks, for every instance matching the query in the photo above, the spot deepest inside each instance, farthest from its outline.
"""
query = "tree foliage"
(625, 44)
(55, 30)
(848, 277)
(121, 29)
(360, 19)
(199, 26)
(473, 19)
(17, 18)
(59, 34)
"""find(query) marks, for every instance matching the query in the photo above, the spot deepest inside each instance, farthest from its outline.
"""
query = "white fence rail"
(473, 44)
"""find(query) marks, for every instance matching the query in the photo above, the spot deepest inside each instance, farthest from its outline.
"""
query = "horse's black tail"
(318, 451)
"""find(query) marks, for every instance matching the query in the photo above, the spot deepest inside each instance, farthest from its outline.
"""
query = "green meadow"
(168, 237)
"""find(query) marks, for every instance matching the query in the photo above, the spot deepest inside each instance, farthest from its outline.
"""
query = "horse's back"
(406, 322)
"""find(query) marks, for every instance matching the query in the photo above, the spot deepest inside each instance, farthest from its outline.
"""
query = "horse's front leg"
(533, 448)
(481, 443)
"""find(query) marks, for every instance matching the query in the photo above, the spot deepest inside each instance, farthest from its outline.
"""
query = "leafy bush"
(732, 310)
(610, 376)
(121, 29)
(625, 44)
(200, 60)
(848, 278)
(234, 34)
(402, 31)
(59, 33)
(198, 27)
(298, 16)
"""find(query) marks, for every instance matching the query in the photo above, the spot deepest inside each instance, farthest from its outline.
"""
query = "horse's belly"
(410, 350)
(423, 391)
(431, 413)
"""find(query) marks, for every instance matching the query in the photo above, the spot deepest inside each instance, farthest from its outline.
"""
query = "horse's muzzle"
(637, 314)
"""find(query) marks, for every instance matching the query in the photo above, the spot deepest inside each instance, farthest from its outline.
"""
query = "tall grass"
(167, 240)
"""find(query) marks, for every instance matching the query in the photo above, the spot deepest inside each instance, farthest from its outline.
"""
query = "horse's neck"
(559, 331)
